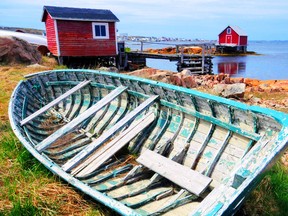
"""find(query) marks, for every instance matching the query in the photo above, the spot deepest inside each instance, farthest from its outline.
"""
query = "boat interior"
(153, 148)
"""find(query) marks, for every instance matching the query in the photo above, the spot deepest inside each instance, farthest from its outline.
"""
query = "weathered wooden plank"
(83, 116)
(54, 102)
(108, 134)
(228, 126)
(99, 157)
(181, 175)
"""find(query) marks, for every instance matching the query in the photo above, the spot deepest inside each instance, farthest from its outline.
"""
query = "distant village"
(125, 37)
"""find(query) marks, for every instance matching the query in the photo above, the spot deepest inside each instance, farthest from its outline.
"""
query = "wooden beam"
(183, 176)
(82, 117)
(54, 102)
(108, 134)
(103, 154)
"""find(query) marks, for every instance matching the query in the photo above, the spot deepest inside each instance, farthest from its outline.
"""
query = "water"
(272, 63)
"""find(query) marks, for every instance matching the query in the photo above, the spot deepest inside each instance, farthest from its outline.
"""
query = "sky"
(190, 19)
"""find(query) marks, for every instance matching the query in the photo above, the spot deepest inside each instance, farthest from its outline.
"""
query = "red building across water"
(232, 38)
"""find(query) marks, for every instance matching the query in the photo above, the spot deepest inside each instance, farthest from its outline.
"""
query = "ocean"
(270, 64)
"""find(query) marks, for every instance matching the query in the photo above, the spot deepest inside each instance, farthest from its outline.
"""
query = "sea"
(270, 63)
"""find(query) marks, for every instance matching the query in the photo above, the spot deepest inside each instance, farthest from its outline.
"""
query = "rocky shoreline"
(194, 50)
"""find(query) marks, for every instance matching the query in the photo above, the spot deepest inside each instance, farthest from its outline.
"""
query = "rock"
(190, 82)
(219, 88)
(251, 82)
(176, 80)
(234, 90)
(282, 84)
(230, 90)
(145, 72)
(186, 72)
(36, 66)
(237, 80)
(16, 51)
(220, 77)
(109, 69)
(227, 80)
(265, 87)
(255, 100)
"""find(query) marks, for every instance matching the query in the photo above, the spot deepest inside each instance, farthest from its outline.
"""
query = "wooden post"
(141, 49)
(203, 59)
(182, 55)
(60, 60)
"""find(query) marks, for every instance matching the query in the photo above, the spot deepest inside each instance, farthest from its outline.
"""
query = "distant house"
(232, 38)
(80, 32)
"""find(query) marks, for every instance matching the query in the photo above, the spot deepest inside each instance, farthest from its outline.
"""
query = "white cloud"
(162, 15)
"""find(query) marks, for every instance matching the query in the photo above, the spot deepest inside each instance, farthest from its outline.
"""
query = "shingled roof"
(83, 14)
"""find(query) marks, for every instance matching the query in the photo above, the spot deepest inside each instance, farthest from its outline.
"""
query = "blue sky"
(202, 19)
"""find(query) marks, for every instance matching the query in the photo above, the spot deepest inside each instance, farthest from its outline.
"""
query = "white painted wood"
(80, 118)
(181, 175)
(103, 154)
(54, 102)
(70, 164)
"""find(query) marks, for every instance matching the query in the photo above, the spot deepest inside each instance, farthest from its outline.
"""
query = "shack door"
(228, 39)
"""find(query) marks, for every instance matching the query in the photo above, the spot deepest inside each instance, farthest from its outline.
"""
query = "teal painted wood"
(68, 127)
(241, 144)
(54, 102)
(104, 137)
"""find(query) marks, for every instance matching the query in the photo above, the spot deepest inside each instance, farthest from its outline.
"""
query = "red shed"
(80, 32)
(233, 38)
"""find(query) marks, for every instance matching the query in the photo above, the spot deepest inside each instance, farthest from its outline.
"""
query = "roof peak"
(238, 30)
(81, 14)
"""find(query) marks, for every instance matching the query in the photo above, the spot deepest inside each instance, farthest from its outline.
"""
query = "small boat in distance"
(143, 147)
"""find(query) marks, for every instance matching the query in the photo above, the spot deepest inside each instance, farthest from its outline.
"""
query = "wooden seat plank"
(54, 102)
(82, 117)
(103, 154)
(70, 164)
(183, 176)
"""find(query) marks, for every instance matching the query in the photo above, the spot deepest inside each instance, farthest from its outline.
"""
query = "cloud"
(167, 16)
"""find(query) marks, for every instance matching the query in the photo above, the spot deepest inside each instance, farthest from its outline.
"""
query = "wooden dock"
(196, 63)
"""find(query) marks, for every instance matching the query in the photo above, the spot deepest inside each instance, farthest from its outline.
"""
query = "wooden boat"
(143, 147)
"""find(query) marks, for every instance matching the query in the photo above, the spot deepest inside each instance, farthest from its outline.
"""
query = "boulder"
(186, 72)
(190, 82)
(236, 90)
(17, 51)
(109, 69)
(251, 82)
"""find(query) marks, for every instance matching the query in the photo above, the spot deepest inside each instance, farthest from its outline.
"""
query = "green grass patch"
(127, 49)
(271, 195)
(59, 67)
(25, 208)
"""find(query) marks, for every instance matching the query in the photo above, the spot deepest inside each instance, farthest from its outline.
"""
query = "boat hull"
(143, 147)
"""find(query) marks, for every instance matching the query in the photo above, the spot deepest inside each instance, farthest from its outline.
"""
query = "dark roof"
(86, 14)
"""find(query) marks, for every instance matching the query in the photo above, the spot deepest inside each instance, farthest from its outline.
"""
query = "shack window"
(100, 30)
(228, 30)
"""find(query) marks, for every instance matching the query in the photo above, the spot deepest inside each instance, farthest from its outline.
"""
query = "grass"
(28, 188)
(271, 196)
